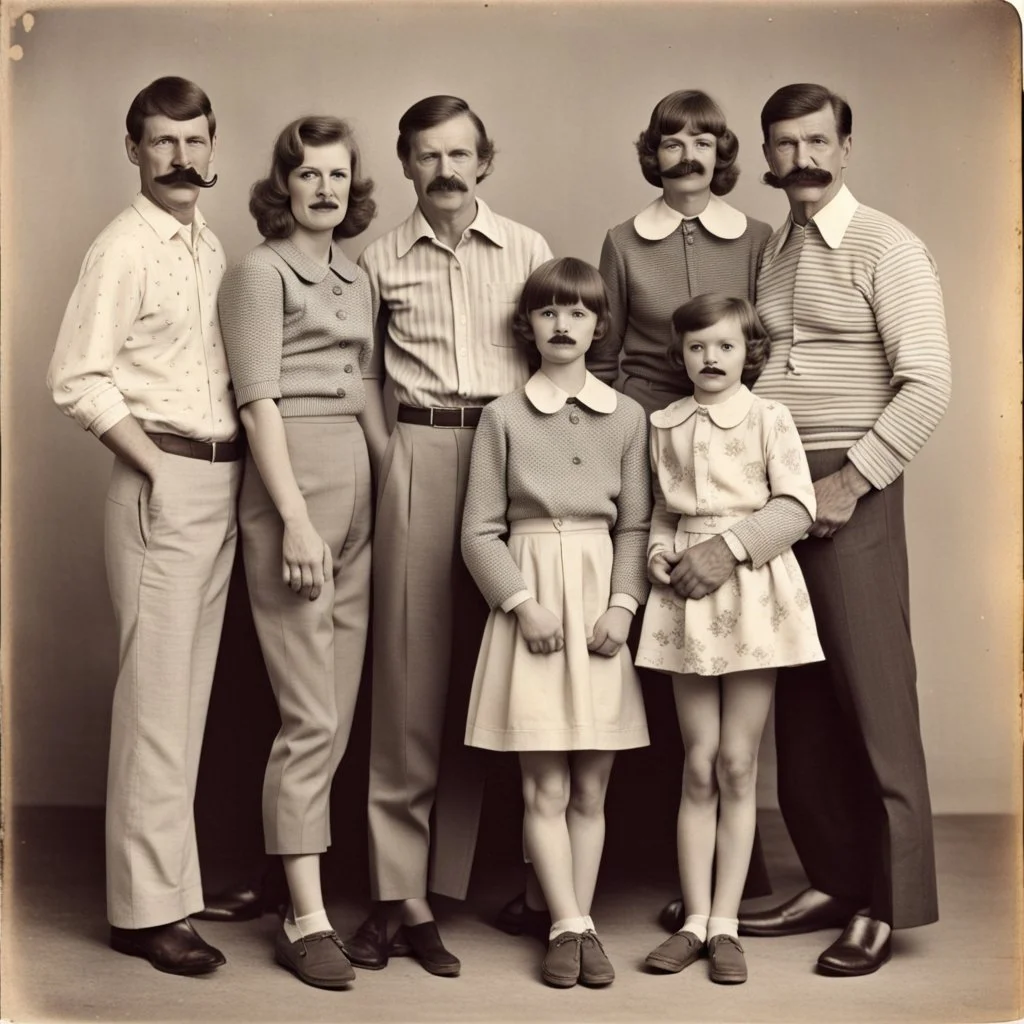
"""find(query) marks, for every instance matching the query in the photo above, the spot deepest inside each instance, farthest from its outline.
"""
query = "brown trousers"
(313, 649)
(428, 617)
(852, 781)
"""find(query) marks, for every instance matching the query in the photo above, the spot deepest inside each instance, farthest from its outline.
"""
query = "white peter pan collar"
(730, 413)
(547, 397)
(658, 220)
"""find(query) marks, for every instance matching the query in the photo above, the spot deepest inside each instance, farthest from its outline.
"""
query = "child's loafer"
(595, 967)
(676, 952)
(728, 964)
(561, 966)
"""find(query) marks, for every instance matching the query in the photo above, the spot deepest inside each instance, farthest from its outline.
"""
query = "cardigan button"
(341, 314)
(574, 417)
(336, 289)
(341, 392)
(576, 460)
(348, 367)
(342, 344)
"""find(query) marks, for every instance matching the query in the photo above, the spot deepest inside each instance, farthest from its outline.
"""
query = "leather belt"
(208, 451)
(461, 416)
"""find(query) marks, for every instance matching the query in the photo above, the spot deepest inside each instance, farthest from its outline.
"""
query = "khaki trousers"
(168, 558)
(428, 618)
(313, 649)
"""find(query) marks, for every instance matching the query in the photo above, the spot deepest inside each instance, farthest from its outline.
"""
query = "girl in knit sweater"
(554, 531)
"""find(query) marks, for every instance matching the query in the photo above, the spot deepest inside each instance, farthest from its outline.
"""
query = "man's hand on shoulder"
(836, 496)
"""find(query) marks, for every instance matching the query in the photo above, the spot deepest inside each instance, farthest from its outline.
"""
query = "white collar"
(730, 413)
(416, 226)
(831, 220)
(547, 397)
(658, 220)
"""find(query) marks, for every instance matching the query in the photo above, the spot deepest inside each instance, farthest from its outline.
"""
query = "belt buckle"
(213, 451)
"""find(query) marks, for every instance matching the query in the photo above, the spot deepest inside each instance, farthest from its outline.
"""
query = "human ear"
(132, 149)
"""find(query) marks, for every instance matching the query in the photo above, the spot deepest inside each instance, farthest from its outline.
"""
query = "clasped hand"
(696, 572)
(307, 559)
(542, 629)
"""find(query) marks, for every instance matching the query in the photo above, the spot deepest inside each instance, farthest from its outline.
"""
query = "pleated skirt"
(566, 700)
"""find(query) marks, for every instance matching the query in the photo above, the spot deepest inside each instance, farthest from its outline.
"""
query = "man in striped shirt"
(446, 281)
(852, 301)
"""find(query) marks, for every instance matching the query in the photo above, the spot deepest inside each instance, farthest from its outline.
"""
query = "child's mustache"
(682, 168)
(185, 176)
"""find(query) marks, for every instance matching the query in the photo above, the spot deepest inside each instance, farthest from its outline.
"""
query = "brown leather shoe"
(728, 964)
(245, 901)
(318, 959)
(675, 953)
(516, 918)
(561, 965)
(807, 911)
(595, 967)
(671, 916)
(174, 948)
(427, 947)
(368, 946)
(863, 947)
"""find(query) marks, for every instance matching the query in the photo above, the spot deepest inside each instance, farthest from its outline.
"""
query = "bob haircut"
(698, 112)
(435, 110)
(805, 98)
(708, 309)
(173, 97)
(269, 199)
(560, 282)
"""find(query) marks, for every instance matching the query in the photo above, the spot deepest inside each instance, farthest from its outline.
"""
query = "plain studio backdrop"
(564, 89)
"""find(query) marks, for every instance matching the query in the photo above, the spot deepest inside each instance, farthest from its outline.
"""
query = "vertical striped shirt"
(859, 351)
(140, 334)
(445, 319)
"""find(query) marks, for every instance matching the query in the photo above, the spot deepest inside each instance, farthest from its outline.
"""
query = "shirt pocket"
(501, 298)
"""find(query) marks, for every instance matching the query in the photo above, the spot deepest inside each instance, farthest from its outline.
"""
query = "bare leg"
(746, 699)
(591, 770)
(546, 798)
(698, 708)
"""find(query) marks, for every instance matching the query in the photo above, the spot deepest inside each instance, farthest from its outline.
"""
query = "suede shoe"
(863, 947)
(427, 947)
(174, 948)
(516, 918)
(595, 967)
(561, 966)
(675, 953)
(807, 911)
(318, 959)
(368, 946)
(728, 964)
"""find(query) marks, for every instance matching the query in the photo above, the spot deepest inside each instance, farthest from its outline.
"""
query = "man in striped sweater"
(852, 301)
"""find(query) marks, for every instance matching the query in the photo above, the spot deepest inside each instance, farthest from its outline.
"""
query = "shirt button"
(341, 392)
(574, 417)
(701, 411)
(348, 367)
(341, 314)
(336, 289)
(689, 239)
(576, 460)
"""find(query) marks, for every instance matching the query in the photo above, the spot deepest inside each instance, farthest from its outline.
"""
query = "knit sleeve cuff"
(876, 460)
(254, 392)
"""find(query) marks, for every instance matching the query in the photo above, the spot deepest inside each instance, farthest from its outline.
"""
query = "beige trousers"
(169, 551)
(428, 617)
(313, 649)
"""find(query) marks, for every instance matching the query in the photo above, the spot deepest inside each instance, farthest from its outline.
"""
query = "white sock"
(569, 924)
(296, 927)
(589, 924)
(696, 924)
(723, 926)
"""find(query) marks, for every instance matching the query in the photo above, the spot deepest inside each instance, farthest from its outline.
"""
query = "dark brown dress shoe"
(677, 952)
(175, 948)
(727, 964)
(807, 911)
(368, 947)
(245, 901)
(672, 916)
(561, 965)
(863, 947)
(318, 959)
(516, 918)
(425, 942)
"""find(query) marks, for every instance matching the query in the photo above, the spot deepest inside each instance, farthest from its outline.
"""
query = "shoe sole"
(557, 980)
(313, 982)
(669, 966)
(441, 970)
(781, 933)
(366, 966)
(834, 971)
(727, 979)
(182, 972)
(598, 981)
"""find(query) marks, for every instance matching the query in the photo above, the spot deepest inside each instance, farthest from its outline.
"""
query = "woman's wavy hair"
(698, 112)
(269, 199)
(560, 282)
(708, 309)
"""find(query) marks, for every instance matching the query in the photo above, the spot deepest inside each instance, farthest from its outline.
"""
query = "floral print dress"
(712, 466)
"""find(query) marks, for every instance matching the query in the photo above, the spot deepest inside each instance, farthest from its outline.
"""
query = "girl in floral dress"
(717, 457)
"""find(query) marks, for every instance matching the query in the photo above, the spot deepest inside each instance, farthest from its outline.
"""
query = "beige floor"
(56, 966)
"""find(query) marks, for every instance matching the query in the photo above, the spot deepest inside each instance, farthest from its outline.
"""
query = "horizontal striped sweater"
(859, 351)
